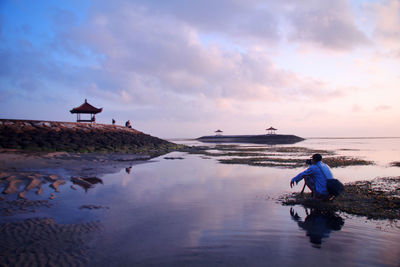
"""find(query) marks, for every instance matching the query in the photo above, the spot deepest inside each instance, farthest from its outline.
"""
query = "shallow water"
(195, 211)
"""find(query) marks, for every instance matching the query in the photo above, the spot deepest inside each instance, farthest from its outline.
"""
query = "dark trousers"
(310, 183)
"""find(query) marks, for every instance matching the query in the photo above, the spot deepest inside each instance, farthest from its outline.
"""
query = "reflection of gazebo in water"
(218, 132)
(271, 130)
(86, 108)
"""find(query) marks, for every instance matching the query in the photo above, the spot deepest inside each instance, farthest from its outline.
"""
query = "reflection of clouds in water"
(125, 179)
(318, 224)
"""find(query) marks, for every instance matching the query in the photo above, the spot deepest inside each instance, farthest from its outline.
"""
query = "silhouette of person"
(113, 122)
(128, 124)
(318, 224)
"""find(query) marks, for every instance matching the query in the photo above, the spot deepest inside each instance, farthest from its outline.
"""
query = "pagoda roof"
(86, 108)
(218, 131)
(271, 129)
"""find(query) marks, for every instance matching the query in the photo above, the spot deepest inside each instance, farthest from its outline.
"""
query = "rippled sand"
(43, 242)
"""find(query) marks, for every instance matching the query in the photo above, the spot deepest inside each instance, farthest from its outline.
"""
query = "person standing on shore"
(315, 177)
(113, 122)
(128, 124)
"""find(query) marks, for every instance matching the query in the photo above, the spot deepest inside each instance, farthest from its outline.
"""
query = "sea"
(185, 209)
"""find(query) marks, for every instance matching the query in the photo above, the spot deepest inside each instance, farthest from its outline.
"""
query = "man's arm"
(300, 176)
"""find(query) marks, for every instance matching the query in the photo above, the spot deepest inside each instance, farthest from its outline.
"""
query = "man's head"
(316, 158)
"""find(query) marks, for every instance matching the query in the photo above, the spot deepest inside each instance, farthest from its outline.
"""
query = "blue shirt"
(320, 179)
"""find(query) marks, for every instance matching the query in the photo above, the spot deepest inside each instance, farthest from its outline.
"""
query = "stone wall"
(77, 137)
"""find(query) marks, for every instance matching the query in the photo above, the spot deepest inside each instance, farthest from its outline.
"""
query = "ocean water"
(194, 211)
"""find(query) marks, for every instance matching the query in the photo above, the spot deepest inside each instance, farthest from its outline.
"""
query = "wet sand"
(30, 182)
(43, 242)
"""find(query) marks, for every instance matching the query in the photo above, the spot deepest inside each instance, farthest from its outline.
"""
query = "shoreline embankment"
(36, 135)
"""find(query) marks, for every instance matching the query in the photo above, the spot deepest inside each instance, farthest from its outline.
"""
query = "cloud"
(383, 108)
(387, 22)
(356, 108)
(152, 53)
(327, 24)
(232, 18)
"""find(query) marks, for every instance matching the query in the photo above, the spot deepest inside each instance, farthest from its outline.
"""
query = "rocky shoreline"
(376, 199)
(79, 137)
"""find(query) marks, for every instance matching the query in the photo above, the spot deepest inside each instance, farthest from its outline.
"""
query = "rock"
(10, 178)
(57, 184)
(39, 191)
(33, 184)
(12, 187)
(52, 177)
(21, 195)
(81, 182)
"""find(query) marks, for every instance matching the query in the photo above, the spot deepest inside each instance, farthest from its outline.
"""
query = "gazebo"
(86, 108)
(271, 130)
(218, 132)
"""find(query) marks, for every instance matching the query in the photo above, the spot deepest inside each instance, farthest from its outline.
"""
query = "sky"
(183, 69)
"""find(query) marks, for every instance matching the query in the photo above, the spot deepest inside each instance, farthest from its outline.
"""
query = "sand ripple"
(43, 242)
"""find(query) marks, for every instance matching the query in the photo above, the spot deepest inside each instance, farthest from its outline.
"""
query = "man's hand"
(291, 183)
(294, 215)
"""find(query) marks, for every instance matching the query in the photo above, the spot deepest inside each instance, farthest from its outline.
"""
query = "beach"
(31, 182)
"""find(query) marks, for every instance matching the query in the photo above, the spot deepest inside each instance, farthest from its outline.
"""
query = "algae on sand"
(376, 199)
(273, 156)
(294, 163)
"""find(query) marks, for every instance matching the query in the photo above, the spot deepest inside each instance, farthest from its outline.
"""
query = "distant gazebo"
(86, 108)
(218, 132)
(271, 130)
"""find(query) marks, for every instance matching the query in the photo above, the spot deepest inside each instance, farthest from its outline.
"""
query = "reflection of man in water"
(128, 170)
(318, 224)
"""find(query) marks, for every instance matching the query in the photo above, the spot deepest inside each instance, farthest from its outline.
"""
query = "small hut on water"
(86, 108)
(218, 132)
(271, 130)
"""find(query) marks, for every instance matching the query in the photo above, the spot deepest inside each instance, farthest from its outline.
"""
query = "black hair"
(317, 157)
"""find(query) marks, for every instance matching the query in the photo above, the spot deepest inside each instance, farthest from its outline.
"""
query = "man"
(315, 177)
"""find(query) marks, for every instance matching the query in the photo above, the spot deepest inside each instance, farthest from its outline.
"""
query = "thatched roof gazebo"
(218, 132)
(271, 130)
(86, 108)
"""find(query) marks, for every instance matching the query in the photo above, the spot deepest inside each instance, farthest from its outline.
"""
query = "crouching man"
(315, 178)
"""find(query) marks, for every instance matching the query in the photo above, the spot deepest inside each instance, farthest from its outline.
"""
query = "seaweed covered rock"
(376, 199)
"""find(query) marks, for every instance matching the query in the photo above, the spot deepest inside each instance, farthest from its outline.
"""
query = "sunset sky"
(187, 68)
